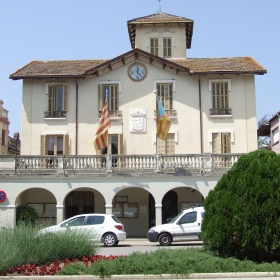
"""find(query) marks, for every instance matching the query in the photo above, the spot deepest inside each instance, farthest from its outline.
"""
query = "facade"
(145, 180)
(268, 132)
(4, 127)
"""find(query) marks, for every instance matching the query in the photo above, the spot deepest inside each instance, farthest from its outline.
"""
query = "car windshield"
(175, 218)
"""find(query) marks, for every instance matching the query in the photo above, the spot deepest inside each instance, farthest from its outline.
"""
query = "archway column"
(109, 209)
(59, 213)
(158, 213)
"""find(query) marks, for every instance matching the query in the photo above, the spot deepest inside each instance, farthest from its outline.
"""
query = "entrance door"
(152, 211)
(169, 206)
(79, 203)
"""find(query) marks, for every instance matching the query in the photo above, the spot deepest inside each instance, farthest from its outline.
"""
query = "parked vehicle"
(183, 227)
(104, 228)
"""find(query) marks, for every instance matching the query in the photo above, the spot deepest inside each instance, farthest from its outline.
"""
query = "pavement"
(144, 242)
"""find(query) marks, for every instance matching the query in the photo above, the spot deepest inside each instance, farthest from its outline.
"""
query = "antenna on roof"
(159, 6)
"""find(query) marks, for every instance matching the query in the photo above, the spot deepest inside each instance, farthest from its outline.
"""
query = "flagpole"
(106, 100)
(157, 155)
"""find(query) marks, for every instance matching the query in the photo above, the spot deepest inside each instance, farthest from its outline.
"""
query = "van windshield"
(175, 218)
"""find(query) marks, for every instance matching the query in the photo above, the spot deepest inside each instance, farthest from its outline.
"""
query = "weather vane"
(159, 6)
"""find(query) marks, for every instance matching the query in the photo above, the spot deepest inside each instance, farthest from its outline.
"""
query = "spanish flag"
(101, 134)
(163, 122)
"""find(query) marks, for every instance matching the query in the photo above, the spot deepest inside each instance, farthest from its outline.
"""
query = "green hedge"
(242, 213)
(26, 214)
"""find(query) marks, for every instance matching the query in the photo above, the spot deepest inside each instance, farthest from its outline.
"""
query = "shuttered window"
(167, 146)
(275, 133)
(154, 46)
(220, 98)
(54, 144)
(165, 94)
(221, 143)
(166, 47)
(57, 97)
(111, 92)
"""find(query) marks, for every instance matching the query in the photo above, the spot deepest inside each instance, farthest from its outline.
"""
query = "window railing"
(112, 114)
(170, 113)
(55, 114)
(220, 111)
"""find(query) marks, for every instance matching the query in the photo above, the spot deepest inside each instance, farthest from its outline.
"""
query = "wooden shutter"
(216, 143)
(161, 146)
(227, 143)
(100, 98)
(44, 145)
(66, 144)
(65, 97)
(120, 144)
(170, 144)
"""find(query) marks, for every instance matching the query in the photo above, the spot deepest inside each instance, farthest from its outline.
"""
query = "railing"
(220, 111)
(112, 114)
(101, 163)
(264, 119)
(170, 113)
(4, 113)
(55, 114)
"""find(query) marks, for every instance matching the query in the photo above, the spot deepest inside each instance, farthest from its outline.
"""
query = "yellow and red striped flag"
(101, 134)
(163, 122)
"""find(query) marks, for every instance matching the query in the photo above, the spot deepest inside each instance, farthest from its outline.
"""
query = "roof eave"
(45, 77)
(261, 72)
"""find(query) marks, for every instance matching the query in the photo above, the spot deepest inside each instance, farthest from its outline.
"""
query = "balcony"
(220, 112)
(172, 114)
(117, 165)
(55, 114)
(4, 114)
(112, 114)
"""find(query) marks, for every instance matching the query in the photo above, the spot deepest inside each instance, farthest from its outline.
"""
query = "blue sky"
(91, 29)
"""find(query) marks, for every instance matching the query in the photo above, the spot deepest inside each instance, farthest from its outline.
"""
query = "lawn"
(24, 252)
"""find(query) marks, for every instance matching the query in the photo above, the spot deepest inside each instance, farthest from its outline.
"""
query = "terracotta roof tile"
(159, 18)
(56, 68)
(226, 64)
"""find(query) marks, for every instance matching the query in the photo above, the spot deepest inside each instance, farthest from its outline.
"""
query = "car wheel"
(164, 239)
(110, 240)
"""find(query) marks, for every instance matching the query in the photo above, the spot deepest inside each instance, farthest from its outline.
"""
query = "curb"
(241, 275)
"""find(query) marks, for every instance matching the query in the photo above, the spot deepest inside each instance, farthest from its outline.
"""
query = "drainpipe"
(200, 117)
(76, 140)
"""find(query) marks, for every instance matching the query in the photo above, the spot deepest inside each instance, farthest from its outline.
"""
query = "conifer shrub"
(26, 214)
(242, 213)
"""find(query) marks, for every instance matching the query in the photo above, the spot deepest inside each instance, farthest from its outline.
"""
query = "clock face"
(137, 72)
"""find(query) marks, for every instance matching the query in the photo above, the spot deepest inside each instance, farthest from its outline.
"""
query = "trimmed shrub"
(26, 214)
(242, 213)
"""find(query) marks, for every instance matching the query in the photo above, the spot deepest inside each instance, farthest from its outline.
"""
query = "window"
(166, 47)
(275, 134)
(165, 94)
(79, 221)
(111, 92)
(3, 137)
(154, 46)
(125, 210)
(54, 144)
(167, 146)
(95, 220)
(220, 99)
(115, 145)
(57, 100)
(221, 143)
(189, 218)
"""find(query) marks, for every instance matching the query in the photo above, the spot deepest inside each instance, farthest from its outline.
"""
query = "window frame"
(51, 90)
(167, 47)
(165, 94)
(275, 136)
(154, 46)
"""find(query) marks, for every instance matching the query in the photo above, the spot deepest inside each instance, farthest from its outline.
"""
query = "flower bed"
(52, 268)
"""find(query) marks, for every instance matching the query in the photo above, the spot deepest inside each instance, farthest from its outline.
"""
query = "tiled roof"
(82, 68)
(56, 68)
(160, 18)
(217, 65)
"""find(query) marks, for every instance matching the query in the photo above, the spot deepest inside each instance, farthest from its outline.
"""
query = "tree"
(242, 213)
(26, 214)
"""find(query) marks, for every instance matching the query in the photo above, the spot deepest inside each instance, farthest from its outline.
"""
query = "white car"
(105, 228)
(183, 227)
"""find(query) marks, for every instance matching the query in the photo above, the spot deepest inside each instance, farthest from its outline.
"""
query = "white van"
(183, 227)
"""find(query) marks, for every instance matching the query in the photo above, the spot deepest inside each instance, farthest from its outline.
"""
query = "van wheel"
(164, 239)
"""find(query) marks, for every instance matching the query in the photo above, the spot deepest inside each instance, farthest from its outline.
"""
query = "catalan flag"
(101, 134)
(163, 122)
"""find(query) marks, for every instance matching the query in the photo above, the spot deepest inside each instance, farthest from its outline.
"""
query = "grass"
(22, 245)
(164, 261)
